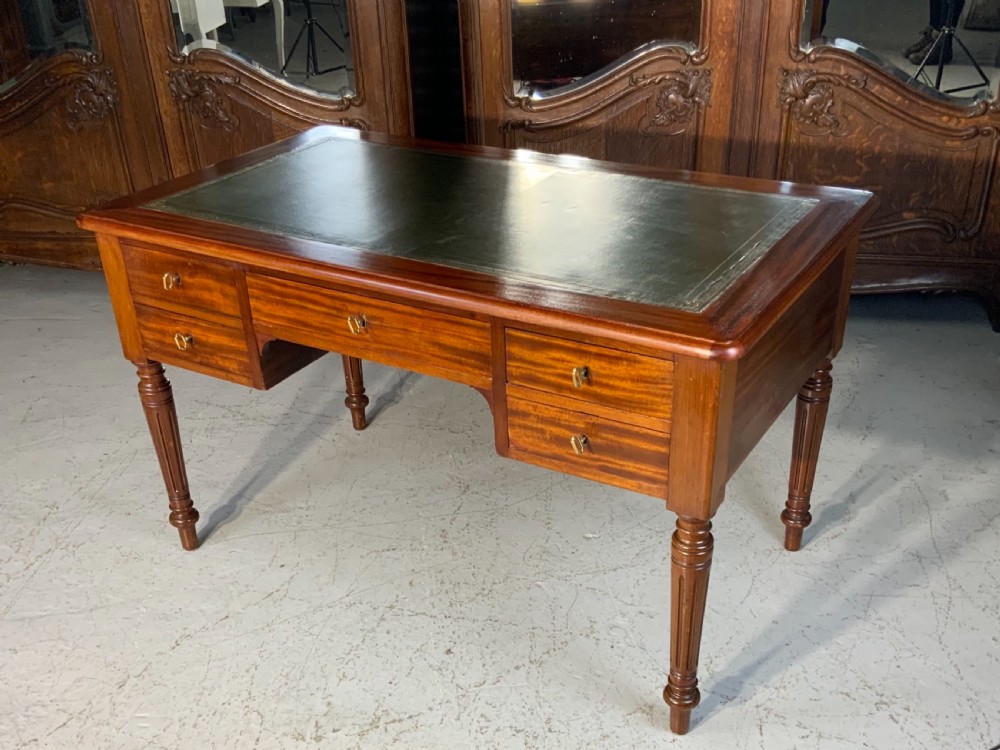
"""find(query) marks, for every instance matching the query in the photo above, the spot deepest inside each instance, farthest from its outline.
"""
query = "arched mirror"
(34, 29)
(951, 46)
(558, 43)
(306, 42)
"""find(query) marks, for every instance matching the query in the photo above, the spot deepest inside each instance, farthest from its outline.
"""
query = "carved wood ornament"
(682, 95)
(94, 98)
(200, 92)
(809, 97)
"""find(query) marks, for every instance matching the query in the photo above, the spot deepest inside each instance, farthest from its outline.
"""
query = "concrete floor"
(406, 587)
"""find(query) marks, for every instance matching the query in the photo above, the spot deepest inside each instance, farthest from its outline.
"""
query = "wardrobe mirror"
(558, 43)
(306, 42)
(951, 46)
(33, 29)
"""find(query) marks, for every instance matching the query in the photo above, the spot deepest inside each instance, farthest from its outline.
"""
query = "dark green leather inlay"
(564, 226)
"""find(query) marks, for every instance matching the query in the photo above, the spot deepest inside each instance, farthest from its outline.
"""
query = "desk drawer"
(433, 343)
(194, 344)
(611, 378)
(577, 443)
(163, 279)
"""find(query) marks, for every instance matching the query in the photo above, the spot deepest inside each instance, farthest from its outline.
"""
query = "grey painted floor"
(406, 587)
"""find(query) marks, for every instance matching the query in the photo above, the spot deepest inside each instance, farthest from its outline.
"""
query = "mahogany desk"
(635, 327)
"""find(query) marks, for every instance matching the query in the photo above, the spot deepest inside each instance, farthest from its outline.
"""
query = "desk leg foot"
(690, 562)
(810, 419)
(158, 403)
(680, 720)
(356, 399)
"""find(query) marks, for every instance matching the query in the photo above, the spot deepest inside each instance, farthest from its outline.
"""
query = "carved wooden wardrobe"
(731, 86)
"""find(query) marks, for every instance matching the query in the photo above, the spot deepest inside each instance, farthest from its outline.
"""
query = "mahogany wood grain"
(445, 346)
(271, 361)
(185, 285)
(690, 563)
(161, 415)
(121, 296)
(811, 407)
(611, 378)
(356, 399)
(704, 395)
(498, 393)
(200, 344)
(616, 453)
(781, 361)
(656, 424)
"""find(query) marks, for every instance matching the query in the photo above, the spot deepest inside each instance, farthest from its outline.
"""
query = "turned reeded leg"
(690, 562)
(810, 419)
(158, 404)
(356, 399)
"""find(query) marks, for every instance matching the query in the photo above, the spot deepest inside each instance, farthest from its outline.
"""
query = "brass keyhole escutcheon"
(170, 280)
(357, 323)
(183, 340)
(579, 443)
(581, 375)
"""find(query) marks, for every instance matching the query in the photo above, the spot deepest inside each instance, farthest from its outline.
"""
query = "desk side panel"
(772, 372)
(121, 296)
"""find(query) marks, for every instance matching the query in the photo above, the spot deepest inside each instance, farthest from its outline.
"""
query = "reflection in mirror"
(307, 42)
(30, 29)
(556, 43)
(949, 45)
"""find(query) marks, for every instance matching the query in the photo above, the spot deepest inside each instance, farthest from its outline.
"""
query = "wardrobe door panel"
(71, 132)
(342, 61)
(836, 113)
(650, 83)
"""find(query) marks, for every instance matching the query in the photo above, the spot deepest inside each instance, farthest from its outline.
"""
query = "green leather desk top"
(561, 225)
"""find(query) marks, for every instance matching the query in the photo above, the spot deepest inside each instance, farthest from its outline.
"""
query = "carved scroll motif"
(200, 92)
(93, 99)
(354, 122)
(682, 95)
(809, 98)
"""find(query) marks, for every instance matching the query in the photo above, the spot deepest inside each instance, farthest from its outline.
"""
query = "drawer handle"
(581, 375)
(357, 324)
(579, 443)
(170, 280)
(183, 340)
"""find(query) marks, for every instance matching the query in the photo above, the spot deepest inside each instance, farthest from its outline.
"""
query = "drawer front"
(573, 442)
(593, 374)
(195, 344)
(163, 279)
(433, 343)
